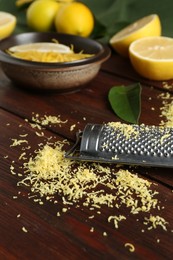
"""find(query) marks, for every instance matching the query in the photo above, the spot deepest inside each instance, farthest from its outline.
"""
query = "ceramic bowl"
(54, 76)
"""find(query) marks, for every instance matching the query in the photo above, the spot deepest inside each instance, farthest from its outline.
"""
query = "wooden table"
(29, 230)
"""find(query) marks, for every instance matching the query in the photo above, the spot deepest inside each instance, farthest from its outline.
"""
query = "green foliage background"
(111, 15)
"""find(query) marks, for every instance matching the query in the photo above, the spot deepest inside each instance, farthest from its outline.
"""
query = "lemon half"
(152, 57)
(7, 24)
(41, 47)
(147, 26)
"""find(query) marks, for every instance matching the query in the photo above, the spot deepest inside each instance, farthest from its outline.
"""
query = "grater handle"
(73, 152)
(90, 139)
(86, 144)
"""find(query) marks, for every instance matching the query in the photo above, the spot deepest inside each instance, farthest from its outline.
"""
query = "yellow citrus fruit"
(75, 18)
(7, 24)
(152, 57)
(147, 26)
(41, 47)
(41, 14)
(19, 3)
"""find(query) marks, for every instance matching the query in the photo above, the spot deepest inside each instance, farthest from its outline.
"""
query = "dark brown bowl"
(55, 76)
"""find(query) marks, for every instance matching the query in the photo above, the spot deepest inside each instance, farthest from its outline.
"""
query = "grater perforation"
(125, 144)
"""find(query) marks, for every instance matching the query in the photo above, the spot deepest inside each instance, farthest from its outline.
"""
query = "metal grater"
(124, 144)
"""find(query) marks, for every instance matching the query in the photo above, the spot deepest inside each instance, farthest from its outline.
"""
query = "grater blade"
(124, 144)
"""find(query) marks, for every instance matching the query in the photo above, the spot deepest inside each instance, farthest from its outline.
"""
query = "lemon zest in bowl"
(49, 56)
(46, 52)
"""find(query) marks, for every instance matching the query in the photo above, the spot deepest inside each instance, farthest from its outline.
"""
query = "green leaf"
(99, 30)
(111, 12)
(126, 102)
(103, 34)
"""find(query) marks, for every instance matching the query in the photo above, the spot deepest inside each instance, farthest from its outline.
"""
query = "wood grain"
(69, 236)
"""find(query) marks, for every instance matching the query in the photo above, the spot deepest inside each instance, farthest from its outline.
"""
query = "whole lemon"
(75, 18)
(41, 14)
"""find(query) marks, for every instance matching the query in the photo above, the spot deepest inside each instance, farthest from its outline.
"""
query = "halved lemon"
(7, 24)
(41, 47)
(147, 26)
(152, 57)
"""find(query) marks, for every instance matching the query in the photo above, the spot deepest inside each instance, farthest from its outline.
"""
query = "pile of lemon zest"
(49, 174)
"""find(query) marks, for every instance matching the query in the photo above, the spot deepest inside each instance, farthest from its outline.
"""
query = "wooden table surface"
(29, 230)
